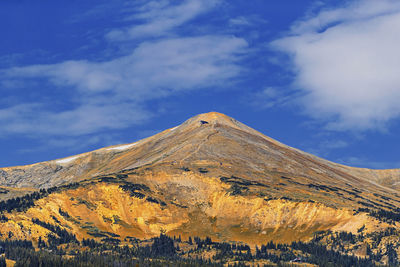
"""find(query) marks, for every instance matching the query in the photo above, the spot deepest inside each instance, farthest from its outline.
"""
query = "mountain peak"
(209, 138)
(213, 119)
(214, 116)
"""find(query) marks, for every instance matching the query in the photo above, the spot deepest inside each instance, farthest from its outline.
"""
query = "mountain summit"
(210, 137)
(210, 176)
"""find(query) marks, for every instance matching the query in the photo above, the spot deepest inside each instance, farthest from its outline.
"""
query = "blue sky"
(321, 76)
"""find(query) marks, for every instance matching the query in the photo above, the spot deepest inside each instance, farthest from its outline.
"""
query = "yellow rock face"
(195, 205)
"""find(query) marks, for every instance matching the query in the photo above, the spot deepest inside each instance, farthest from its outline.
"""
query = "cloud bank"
(347, 63)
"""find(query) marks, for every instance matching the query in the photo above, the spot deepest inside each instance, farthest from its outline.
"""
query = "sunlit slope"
(144, 203)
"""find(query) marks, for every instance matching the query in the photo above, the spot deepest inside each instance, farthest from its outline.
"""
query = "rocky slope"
(211, 176)
(213, 137)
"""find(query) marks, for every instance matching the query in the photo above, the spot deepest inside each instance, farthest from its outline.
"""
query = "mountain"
(211, 176)
(191, 142)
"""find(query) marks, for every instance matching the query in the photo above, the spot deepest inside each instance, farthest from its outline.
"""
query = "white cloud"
(37, 120)
(240, 21)
(248, 20)
(269, 97)
(152, 70)
(160, 17)
(112, 94)
(347, 62)
(363, 162)
(333, 144)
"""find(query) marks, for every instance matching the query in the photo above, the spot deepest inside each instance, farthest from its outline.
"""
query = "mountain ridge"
(388, 178)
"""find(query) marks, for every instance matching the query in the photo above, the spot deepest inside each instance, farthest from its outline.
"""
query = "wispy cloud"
(112, 94)
(270, 97)
(165, 65)
(239, 21)
(160, 18)
(363, 162)
(325, 148)
(37, 121)
(333, 144)
(247, 20)
(346, 60)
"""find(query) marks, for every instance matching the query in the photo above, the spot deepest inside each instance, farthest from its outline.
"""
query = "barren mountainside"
(212, 137)
(210, 176)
